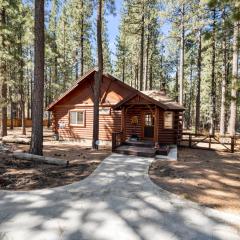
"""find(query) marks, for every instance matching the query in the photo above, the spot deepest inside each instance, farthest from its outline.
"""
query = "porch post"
(156, 123)
(123, 129)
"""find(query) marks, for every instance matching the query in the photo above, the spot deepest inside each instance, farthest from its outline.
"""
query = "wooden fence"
(17, 122)
(210, 142)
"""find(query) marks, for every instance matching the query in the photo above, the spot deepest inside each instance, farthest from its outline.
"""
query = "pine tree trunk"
(234, 90)
(23, 117)
(11, 116)
(136, 77)
(198, 94)
(4, 80)
(31, 85)
(11, 109)
(146, 64)
(28, 95)
(82, 39)
(142, 52)
(131, 75)
(150, 77)
(76, 64)
(55, 50)
(38, 90)
(64, 56)
(213, 83)
(55, 78)
(49, 96)
(98, 78)
(223, 90)
(177, 85)
(190, 98)
(181, 63)
(123, 69)
(22, 101)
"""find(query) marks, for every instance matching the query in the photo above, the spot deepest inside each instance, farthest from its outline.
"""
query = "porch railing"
(117, 139)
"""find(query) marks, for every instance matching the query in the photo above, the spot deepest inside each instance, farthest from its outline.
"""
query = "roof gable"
(139, 98)
(75, 85)
(113, 92)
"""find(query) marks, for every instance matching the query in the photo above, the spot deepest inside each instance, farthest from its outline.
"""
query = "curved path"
(117, 202)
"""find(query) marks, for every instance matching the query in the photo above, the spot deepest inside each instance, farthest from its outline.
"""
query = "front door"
(148, 128)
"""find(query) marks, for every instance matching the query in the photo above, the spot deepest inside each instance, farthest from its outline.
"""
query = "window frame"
(84, 118)
(148, 120)
(164, 120)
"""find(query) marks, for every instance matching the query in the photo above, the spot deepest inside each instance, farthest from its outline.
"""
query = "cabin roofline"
(135, 92)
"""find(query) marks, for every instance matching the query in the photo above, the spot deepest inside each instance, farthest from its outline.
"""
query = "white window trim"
(84, 118)
(164, 120)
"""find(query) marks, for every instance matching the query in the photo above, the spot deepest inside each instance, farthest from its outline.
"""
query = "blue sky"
(113, 22)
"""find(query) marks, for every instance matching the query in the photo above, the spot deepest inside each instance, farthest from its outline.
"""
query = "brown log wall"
(107, 123)
(112, 123)
(165, 136)
(17, 122)
(129, 127)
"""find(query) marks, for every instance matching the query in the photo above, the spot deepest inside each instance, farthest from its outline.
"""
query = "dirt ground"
(27, 175)
(211, 178)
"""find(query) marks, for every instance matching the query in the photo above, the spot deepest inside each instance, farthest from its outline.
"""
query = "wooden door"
(148, 126)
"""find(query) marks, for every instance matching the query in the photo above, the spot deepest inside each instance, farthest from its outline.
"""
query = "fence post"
(232, 144)
(121, 137)
(190, 141)
(113, 141)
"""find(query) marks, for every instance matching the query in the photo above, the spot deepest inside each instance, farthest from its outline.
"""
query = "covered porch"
(140, 123)
(141, 127)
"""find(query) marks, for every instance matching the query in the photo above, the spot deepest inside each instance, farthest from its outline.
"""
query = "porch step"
(136, 150)
(163, 150)
(148, 144)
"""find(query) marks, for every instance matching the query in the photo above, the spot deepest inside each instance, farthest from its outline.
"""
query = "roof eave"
(118, 105)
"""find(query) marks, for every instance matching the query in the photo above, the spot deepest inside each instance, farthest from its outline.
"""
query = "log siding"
(113, 92)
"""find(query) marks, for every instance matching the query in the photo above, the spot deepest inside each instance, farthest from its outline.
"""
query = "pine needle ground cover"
(210, 178)
(17, 174)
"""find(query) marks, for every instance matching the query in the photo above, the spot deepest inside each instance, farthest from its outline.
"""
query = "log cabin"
(125, 114)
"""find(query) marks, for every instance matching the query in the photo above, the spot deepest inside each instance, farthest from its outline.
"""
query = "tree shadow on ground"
(117, 201)
(18, 174)
(210, 178)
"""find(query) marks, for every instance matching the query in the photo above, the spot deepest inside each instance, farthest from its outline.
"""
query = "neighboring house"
(147, 115)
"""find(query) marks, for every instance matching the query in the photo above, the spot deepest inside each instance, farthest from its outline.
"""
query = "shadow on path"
(118, 201)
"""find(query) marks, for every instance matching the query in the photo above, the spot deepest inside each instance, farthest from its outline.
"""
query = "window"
(149, 120)
(77, 118)
(168, 120)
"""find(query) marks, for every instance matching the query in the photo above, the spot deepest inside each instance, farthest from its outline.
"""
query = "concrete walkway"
(117, 202)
